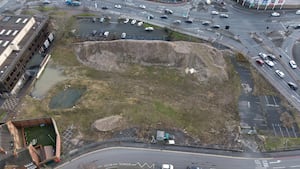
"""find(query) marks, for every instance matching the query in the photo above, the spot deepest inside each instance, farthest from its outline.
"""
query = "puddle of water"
(66, 98)
(50, 77)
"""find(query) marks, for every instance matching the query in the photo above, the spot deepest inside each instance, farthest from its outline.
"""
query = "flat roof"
(10, 26)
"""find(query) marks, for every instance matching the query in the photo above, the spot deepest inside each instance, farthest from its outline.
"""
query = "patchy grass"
(261, 85)
(278, 143)
(147, 97)
(45, 135)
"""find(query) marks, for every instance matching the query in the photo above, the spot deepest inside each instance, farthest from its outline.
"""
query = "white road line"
(294, 131)
(267, 100)
(280, 130)
(275, 162)
(295, 166)
(287, 131)
(274, 100)
(279, 167)
(274, 129)
(248, 104)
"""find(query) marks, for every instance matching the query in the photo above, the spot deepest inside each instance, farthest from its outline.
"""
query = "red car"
(260, 62)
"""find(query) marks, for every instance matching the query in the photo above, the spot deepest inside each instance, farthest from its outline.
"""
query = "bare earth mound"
(117, 55)
(107, 123)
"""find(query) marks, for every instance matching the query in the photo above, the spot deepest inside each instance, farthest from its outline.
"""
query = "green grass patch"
(273, 143)
(85, 15)
(44, 135)
(45, 8)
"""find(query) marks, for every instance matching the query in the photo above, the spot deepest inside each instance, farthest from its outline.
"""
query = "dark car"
(292, 85)
(189, 21)
(271, 57)
(297, 26)
(168, 11)
(104, 7)
(215, 26)
(164, 17)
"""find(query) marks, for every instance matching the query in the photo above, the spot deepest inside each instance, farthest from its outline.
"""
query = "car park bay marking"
(296, 98)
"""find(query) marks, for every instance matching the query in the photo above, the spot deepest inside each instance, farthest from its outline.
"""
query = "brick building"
(20, 38)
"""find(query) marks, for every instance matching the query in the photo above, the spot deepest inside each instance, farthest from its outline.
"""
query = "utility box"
(162, 135)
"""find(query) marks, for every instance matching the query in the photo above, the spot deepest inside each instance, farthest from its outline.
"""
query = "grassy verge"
(261, 85)
(279, 143)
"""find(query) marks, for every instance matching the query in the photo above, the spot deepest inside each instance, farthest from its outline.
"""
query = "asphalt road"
(114, 157)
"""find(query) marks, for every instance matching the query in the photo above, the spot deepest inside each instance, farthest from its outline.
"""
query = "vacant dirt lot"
(144, 82)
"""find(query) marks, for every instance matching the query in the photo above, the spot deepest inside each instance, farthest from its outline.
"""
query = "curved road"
(121, 156)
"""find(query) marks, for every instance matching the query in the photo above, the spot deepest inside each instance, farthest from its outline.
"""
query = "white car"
(214, 12)
(142, 6)
(263, 55)
(298, 12)
(123, 35)
(279, 73)
(177, 21)
(167, 166)
(126, 20)
(293, 64)
(140, 23)
(269, 63)
(133, 22)
(275, 14)
(118, 6)
(149, 29)
(106, 34)
(224, 15)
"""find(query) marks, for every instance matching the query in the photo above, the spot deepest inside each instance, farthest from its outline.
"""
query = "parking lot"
(93, 29)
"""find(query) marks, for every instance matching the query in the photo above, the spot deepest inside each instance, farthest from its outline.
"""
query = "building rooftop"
(6, 141)
(15, 34)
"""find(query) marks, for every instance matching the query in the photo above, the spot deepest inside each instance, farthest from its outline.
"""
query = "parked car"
(214, 12)
(298, 12)
(104, 7)
(206, 23)
(292, 85)
(126, 20)
(142, 6)
(118, 6)
(149, 29)
(269, 63)
(93, 19)
(46, 2)
(133, 21)
(280, 73)
(106, 33)
(140, 23)
(167, 166)
(94, 32)
(168, 11)
(293, 64)
(123, 35)
(216, 26)
(101, 20)
(259, 61)
(164, 17)
(224, 15)
(275, 14)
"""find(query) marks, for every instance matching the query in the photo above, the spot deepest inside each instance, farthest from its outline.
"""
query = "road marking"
(267, 100)
(295, 134)
(280, 130)
(274, 100)
(287, 131)
(248, 104)
(275, 162)
(278, 167)
(296, 98)
(295, 166)
(265, 163)
(274, 129)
